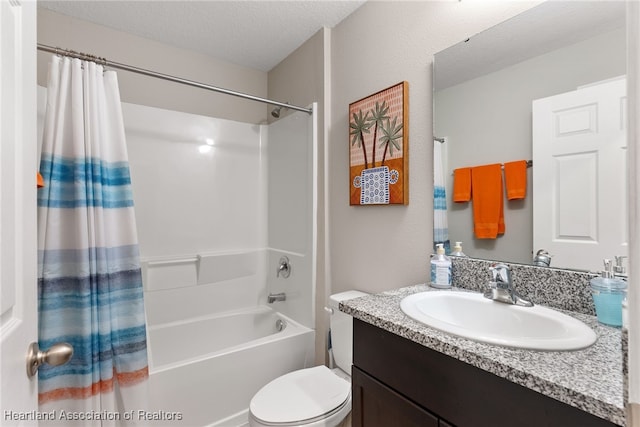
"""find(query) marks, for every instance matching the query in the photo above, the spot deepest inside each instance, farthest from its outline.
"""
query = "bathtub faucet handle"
(284, 269)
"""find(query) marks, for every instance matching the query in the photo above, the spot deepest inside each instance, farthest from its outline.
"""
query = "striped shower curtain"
(440, 223)
(89, 279)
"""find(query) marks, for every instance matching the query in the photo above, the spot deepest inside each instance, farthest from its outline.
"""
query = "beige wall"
(62, 31)
(384, 42)
(299, 79)
(377, 248)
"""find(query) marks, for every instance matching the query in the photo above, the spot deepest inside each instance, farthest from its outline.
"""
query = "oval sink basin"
(472, 316)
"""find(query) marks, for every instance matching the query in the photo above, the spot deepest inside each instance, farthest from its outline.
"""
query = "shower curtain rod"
(125, 67)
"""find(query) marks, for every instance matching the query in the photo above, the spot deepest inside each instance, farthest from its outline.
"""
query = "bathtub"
(204, 371)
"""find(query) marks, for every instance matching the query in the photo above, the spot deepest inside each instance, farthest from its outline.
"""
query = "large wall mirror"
(534, 88)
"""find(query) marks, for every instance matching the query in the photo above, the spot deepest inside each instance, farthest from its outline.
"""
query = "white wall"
(212, 226)
(382, 43)
(488, 120)
(65, 32)
(188, 201)
(201, 216)
(290, 156)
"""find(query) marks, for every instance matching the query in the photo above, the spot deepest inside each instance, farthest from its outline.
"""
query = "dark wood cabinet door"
(462, 394)
(376, 405)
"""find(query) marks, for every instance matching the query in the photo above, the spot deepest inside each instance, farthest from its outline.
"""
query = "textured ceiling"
(256, 34)
(546, 27)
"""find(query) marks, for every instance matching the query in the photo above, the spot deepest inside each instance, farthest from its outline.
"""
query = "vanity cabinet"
(397, 382)
(381, 406)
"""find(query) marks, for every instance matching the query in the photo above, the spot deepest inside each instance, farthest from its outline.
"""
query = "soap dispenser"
(440, 269)
(457, 250)
(608, 293)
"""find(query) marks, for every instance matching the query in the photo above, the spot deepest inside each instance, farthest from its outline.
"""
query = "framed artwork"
(378, 148)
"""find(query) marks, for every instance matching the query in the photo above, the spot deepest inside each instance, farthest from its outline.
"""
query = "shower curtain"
(89, 278)
(440, 224)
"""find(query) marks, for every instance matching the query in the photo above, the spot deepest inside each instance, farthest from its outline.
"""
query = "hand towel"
(515, 179)
(488, 210)
(462, 185)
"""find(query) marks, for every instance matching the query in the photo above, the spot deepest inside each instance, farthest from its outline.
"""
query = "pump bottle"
(440, 269)
(457, 250)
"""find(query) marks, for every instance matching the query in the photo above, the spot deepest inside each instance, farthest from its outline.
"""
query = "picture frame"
(379, 148)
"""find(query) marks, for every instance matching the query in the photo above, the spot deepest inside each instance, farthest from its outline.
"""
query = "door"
(18, 308)
(579, 175)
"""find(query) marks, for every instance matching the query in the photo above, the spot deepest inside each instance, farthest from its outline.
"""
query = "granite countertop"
(590, 379)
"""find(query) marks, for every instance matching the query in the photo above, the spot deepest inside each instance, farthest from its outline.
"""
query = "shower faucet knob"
(284, 269)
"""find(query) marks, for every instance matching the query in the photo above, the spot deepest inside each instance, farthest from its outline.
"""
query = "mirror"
(484, 88)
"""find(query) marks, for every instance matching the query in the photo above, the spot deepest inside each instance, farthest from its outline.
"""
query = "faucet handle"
(501, 289)
(501, 274)
(284, 269)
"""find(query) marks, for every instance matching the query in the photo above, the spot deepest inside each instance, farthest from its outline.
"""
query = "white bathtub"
(207, 369)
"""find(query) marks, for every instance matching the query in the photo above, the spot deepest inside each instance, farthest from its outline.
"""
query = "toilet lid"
(300, 395)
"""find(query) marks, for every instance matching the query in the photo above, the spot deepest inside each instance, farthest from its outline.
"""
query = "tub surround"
(210, 381)
(589, 379)
(208, 265)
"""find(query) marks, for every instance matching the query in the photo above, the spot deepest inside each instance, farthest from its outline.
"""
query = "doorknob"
(57, 355)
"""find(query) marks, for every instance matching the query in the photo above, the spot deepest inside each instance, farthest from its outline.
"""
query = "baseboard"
(240, 419)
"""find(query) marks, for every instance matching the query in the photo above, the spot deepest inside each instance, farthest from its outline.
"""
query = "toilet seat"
(306, 396)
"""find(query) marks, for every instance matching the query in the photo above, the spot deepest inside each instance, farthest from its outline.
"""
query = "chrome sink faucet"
(501, 288)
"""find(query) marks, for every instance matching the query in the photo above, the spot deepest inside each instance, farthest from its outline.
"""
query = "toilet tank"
(341, 325)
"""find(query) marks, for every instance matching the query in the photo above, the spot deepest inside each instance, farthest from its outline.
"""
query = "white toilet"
(312, 397)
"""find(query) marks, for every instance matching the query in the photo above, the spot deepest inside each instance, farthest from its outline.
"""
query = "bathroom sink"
(472, 316)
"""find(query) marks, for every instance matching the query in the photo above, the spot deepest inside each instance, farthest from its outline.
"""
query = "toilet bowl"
(312, 397)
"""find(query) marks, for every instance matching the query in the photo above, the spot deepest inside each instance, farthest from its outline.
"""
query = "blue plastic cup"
(607, 297)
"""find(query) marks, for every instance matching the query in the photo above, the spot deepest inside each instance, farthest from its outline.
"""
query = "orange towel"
(515, 179)
(488, 210)
(39, 180)
(462, 185)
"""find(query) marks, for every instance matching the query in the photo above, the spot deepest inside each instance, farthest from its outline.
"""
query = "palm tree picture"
(378, 147)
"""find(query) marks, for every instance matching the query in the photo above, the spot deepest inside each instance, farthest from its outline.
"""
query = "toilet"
(312, 397)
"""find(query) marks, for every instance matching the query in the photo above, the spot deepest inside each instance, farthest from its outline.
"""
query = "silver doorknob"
(57, 355)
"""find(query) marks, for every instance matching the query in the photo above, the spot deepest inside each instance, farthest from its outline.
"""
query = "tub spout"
(271, 298)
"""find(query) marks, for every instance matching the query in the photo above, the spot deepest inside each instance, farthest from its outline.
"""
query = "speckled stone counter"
(552, 287)
(589, 379)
